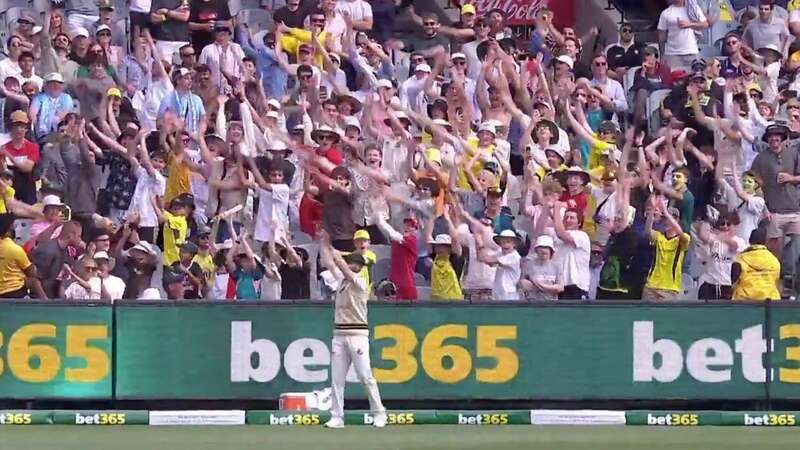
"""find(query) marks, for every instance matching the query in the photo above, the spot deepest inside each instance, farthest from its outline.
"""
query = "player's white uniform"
(351, 345)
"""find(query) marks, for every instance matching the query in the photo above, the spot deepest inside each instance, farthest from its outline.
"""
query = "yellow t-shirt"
(175, 229)
(371, 258)
(444, 281)
(10, 192)
(178, 179)
(290, 42)
(668, 265)
(598, 147)
(463, 182)
(13, 263)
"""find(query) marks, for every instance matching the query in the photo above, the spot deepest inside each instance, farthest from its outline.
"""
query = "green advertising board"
(458, 351)
(420, 351)
(49, 351)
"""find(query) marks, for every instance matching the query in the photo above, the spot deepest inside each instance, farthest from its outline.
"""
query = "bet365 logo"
(100, 419)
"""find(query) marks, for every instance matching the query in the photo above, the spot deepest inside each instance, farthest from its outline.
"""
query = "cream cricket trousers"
(353, 349)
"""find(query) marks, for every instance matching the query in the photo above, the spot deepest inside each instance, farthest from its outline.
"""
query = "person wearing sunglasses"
(428, 41)
(676, 33)
(609, 87)
(460, 33)
(84, 282)
(626, 53)
(470, 49)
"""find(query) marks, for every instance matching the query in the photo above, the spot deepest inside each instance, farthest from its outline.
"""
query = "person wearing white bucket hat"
(541, 278)
(507, 261)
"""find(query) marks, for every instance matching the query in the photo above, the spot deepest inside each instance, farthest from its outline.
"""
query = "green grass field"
(429, 437)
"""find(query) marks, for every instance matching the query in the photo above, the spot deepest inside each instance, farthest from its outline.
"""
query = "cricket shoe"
(336, 422)
(379, 420)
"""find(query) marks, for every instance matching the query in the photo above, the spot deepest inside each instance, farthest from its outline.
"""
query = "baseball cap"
(278, 146)
(114, 92)
(422, 68)
(441, 239)
(80, 32)
(189, 247)
(20, 116)
(182, 72)
(458, 55)
(355, 258)
(468, 9)
(144, 246)
(352, 121)
(274, 103)
(172, 277)
(101, 255)
(412, 221)
(102, 28)
(54, 76)
(51, 200)
(566, 59)
(383, 83)
(361, 234)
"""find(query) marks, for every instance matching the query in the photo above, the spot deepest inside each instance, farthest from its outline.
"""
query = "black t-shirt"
(170, 30)
(205, 12)
(189, 289)
(292, 19)
(295, 282)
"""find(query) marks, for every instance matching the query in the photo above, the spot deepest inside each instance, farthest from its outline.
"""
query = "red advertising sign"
(523, 12)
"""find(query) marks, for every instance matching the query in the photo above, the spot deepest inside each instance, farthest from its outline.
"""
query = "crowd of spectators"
(171, 151)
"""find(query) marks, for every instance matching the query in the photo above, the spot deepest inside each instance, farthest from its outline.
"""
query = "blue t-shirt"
(248, 283)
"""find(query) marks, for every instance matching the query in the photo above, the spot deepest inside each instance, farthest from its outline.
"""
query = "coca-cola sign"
(523, 12)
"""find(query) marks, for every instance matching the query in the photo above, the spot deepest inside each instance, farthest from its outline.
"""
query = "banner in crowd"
(463, 351)
(523, 12)
(49, 351)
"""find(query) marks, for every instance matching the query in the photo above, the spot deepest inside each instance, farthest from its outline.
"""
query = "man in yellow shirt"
(16, 270)
(6, 191)
(664, 280)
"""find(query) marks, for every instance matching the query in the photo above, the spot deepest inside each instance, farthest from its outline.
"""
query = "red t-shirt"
(404, 260)
(333, 155)
(579, 201)
(310, 212)
(23, 183)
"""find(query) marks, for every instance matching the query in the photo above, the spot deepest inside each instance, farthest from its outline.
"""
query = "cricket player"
(351, 333)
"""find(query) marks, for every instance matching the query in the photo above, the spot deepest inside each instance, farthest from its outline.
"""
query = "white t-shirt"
(37, 80)
(506, 277)
(273, 213)
(146, 105)
(271, 289)
(358, 9)
(9, 68)
(750, 213)
(147, 187)
(574, 260)
(114, 286)
(679, 41)
(140, 6)
(769, 82)
(77, 292)
(478, 275)
(719, 259)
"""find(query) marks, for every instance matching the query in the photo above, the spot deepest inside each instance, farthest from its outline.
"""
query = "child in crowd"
(540, 274)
